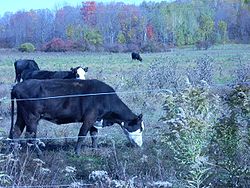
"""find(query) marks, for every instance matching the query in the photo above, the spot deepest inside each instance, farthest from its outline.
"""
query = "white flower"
(99, 175)
(70, 169)
(39, 162)
(76, 184)
(144, 158)
(45, 170)
(161, 184)
(118, 183)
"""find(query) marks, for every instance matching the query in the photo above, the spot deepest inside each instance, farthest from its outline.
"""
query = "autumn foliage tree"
(88, 11)
(150, 31)
(157, 25)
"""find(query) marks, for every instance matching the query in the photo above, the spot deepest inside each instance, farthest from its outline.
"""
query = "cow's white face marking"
(136, 136)
(81, 73)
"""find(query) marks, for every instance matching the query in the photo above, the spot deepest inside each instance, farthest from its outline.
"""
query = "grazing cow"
(24, 64)
(74, 73)
(136, 56)
(87, 101)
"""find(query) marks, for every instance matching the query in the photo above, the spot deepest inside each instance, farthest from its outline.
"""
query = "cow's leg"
(31, 130)
(93, 133)
(81, 137)
(88, 122)
(15, 133)
(18, 128)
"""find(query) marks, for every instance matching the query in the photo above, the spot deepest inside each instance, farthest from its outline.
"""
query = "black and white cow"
(24, 64)
(87, 101)
(136, 56)
(74, 73)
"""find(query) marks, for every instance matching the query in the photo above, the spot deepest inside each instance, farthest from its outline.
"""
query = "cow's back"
(23, 64)
(58, 87)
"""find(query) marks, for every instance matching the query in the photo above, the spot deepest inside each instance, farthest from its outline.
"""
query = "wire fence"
(87, 95)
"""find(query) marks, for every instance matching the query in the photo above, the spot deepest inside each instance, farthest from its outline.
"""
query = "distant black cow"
(24, 64)
(74, 73)
(136, 56)
(86, 101)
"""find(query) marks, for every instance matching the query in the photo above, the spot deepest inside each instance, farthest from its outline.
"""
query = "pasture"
(141, 85)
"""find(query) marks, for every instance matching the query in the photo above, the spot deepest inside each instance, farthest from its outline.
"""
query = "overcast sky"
(15, 5)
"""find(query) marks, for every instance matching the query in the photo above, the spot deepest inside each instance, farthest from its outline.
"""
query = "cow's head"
(80, 72)
(133, 129)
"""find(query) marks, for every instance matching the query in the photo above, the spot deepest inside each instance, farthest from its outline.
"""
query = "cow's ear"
(139, 117)
(71, 69)
(86, 69)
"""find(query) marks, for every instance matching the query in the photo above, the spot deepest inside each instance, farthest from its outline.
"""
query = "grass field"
(156, 71)
(119, 71)
(227, 57)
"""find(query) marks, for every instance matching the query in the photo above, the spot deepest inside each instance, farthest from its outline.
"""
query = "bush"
(132, 47)
(26, 47)
(58, 45)
(203, 70)
(190, 118)
(209, 135)
(203, 45)
(115, 48)
(93, 37)
(230, 144)
(152, 47)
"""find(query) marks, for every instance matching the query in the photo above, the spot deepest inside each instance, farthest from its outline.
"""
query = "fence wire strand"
(86, 95)
(64, 137)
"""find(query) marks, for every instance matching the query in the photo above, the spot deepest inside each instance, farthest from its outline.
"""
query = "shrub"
(152, 46)
(93, 37)
(59, 45)
(13, 168)
(121, 38)
(85, 164)
(203, 70)
(26, 47)
(79, 45)
(115, 48)
(190, 117)
(242, 71)
(209, 136)
(231, 145)
(132, 47)
(203, 44)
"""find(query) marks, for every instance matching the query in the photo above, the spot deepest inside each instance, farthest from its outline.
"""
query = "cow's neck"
(123, 113)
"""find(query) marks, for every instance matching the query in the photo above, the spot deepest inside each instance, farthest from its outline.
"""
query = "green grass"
(111, 65)
(123, 74)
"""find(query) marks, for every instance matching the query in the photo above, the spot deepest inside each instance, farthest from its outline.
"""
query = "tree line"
(120, 27)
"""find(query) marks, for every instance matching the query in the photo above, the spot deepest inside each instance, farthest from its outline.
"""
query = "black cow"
(98, 101)
(74, 73)
(136, 56)
(24, 64)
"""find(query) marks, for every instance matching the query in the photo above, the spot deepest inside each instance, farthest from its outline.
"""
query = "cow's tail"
(13, 96)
